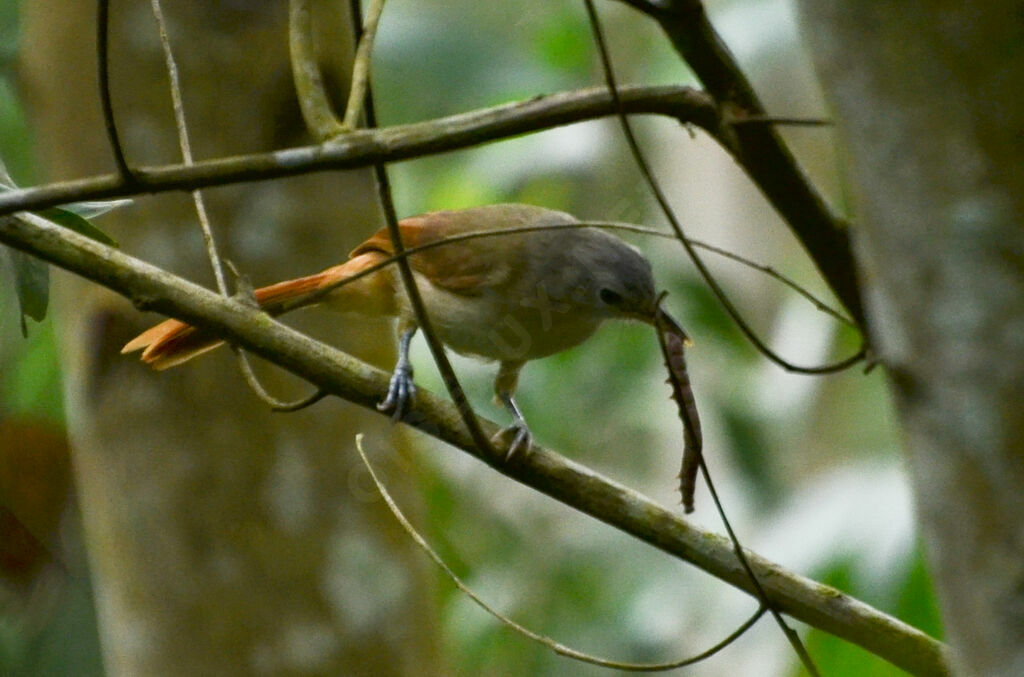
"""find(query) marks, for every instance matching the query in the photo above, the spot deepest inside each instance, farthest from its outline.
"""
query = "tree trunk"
(224, 539)
(927, 99)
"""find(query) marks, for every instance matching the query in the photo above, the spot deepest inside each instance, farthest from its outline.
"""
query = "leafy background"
(809, 468)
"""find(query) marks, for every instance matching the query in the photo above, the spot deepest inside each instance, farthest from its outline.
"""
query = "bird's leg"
(522, 438)
(504, 386)
(401, 390)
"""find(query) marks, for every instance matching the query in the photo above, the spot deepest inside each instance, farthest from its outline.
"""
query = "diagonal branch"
(758, 147)
(575, 485)
(659, 195)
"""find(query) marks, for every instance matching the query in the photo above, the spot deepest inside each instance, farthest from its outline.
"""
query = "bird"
(507, 283)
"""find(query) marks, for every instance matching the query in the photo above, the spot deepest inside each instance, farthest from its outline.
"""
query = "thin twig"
(608, 225)
(103, 74)
(778, 120)
(275, 404)
(186, 148)
(532, 635)
(444, 366)
(772, 272)
(677, 227)
(361, 65)
(287, 408)
(203, 217)
(641, 161)
(741, 555)
(764, 157)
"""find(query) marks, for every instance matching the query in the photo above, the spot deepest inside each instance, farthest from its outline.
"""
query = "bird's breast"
(505, 324)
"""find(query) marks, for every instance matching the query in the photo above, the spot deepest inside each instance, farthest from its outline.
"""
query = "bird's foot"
(401, 391)
(521, 439)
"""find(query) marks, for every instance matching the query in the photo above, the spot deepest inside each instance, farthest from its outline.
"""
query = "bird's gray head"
(621, 281)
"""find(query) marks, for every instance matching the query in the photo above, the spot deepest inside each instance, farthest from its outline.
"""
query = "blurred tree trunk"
(223, 538)
(928, 101)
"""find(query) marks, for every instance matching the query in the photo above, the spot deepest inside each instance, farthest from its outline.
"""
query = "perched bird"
(509, 297)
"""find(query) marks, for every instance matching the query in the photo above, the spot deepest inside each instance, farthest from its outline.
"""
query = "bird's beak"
(665, 322)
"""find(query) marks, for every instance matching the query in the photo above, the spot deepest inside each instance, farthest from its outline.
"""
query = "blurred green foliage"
(603, 403)
(31, 386)
(914, 603)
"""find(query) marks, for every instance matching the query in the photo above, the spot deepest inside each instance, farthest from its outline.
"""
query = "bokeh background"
(809, 468)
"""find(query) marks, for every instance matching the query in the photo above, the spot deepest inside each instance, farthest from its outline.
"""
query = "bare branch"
(361, 64)
(103, 75)
(524, 631)
(760, 150)
(659, 195)
(309, 83)
(185, 145)
(364, 148)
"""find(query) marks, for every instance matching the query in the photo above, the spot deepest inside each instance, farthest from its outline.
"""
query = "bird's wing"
(464, 267)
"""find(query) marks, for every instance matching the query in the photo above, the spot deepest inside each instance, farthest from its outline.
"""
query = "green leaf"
(79, 224)
(74, 216)
(32, 285)
(90, 209)
(32, 276)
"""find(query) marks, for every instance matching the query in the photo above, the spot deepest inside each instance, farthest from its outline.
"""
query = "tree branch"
(759, 149)
(103, 77)
(359, 93)
(364, 148)
(309, 83)
(333, 371)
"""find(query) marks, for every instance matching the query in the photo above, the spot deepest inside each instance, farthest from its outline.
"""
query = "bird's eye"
(610, 297)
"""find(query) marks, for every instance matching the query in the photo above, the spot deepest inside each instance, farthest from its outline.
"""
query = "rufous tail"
(172, 342)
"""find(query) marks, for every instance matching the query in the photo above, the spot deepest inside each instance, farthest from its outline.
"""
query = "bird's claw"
(522, 439)
(401, 391)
